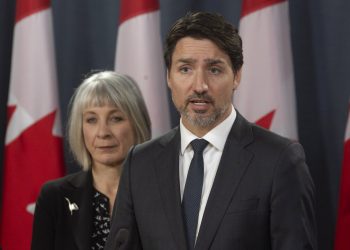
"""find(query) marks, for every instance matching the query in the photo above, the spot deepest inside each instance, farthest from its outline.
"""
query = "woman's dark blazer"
(63, 214)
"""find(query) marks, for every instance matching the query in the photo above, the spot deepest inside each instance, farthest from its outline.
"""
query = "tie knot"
(199, 145)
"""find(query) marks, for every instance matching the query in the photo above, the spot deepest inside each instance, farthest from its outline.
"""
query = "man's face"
(202, 82)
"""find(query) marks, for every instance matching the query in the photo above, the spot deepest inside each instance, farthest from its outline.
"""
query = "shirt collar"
(216, 137)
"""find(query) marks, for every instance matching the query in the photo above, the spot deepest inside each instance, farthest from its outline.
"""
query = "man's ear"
(237, 79)
(167, 78)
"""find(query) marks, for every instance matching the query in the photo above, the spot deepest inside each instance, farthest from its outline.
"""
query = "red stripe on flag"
(33, 154)
(26, 8)
(343, 223)
(134, 8)
(249, 6)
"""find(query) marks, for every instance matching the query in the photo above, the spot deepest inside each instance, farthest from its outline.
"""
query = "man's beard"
(200, 119)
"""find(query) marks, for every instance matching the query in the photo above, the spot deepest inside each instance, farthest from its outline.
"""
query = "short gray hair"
(106, 87)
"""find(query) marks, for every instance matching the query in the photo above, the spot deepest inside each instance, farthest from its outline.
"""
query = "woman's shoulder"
(69, 180)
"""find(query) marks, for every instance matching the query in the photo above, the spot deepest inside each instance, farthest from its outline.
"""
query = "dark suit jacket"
(262, 196)
(55, 225)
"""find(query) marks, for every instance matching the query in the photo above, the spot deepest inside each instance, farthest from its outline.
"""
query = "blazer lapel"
(167, 170)
(232, 166)
(80, 193)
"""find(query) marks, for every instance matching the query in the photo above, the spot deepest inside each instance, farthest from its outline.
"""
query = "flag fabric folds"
(139, 55)
(266, 94)
(33, 144)
(342, 241)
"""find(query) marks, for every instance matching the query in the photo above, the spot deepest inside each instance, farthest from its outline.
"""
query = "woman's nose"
(103, 130)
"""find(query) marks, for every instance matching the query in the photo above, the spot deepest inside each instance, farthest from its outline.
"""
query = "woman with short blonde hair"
(107, 116)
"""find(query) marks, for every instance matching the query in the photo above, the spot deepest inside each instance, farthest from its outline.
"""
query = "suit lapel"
(79, 191)
(167, 170)
(232, 166)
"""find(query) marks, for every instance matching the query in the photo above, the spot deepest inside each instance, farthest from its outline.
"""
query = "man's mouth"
(199, 101)
(199, 105)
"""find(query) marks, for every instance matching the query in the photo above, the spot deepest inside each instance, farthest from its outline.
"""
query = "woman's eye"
(91, 120)
(116, 119)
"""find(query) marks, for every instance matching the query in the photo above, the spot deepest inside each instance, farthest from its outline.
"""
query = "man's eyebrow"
(185, 60)
(209, 61)
(214, 61)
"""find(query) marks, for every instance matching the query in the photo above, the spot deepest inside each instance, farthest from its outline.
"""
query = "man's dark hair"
(204, 25)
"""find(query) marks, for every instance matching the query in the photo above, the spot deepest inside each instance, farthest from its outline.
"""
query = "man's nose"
(200, 82)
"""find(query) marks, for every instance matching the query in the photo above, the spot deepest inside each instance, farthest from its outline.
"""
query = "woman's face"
(108, 135)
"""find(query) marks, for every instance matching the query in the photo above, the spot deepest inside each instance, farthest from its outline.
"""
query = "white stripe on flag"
(267, 77)
(139, 54)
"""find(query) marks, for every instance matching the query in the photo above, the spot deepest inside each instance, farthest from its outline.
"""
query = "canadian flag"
(139, 55)
(33, 146)
(266, 94)
(342, 241)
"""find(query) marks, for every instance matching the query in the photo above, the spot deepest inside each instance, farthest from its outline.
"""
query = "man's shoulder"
(249, 133)
(160, 141)
(266, 145)
(270, 143)
(268, 136)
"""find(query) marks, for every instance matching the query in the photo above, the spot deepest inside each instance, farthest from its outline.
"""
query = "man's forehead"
(189, 48)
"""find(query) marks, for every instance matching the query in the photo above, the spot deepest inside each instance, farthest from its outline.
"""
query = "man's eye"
(185, 70)
(215, 71)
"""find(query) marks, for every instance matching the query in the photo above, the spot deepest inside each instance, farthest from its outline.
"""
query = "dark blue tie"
(191, 199)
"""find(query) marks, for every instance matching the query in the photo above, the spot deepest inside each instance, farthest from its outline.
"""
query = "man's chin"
(201, 120)
(201, 112)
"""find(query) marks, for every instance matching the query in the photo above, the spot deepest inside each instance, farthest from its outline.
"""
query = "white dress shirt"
(211, 157)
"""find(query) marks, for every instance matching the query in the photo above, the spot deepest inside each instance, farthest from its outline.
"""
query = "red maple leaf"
(266, 120)
(10, 112)
(34, 157)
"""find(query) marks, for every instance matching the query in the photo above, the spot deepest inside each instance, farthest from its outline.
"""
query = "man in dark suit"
(216, 181)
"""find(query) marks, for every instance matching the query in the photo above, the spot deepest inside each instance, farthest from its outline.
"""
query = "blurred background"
(85, 37)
